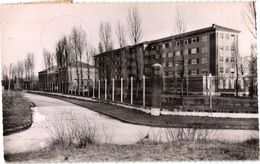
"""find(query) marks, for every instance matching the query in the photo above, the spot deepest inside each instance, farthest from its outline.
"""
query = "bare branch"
(249, 17)
(120, 33)
(105, 36)
(180, 23)
(134, 25)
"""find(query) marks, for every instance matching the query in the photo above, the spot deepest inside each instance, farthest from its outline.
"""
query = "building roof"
(214, 27)
(84, 65)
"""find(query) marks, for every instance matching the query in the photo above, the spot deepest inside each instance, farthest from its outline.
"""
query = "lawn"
(145, 151)
(17, 113)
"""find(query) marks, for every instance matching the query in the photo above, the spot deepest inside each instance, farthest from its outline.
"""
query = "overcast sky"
(30, 28)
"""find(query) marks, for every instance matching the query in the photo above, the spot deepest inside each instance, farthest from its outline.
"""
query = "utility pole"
(10, 72)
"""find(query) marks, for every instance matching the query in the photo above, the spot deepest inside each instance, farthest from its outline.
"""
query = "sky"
(32, 27)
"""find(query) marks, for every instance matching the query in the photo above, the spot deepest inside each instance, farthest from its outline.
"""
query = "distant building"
(65, 79)
(195, 55)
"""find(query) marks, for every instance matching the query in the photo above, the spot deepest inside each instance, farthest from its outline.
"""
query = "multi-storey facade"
(186, 59)
(65, 79)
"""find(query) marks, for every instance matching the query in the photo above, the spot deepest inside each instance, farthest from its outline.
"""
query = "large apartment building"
(188, 57)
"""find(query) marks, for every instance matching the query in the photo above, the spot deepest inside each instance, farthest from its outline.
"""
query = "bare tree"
(48, 62)
(243, 65)
(249, 17)
(120, 33)
(29, 64)
(62, 59)
(180, 27)
(105, 36)
(134, 25)
(135, 35)
(100, 48)
(78, 43)
(253, 72)
(180, 22)
(4, 73)
(20, 67)
(90, 52)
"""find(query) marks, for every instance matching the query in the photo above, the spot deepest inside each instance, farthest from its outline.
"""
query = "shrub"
(189, 134)
(71, 131)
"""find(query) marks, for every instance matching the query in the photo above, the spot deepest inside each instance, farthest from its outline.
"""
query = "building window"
(186, 42)
(204, 38)
(170, 74)
(177, 53)
(220, 84)
(227, 60)
(193, 61)
(227, 48)
(221, 70)
(163, 45)
(194, 72)
(164, 55)
(221, 47)
(203, 60)
(227, 70)
(226, 84)
(166, 45)
(233, 38)
(227, 36)
(178, 63)
(204, 71)
(232, 59)
(170, 54)
(170, 64)
(178, 43)
(185, 52)
(193, 50)
(194, 40)
(232, 83)
(170, 44)
(221, 59)
(164, 64)
(221, 36)
(232, 48)
(157, 56)
(204, 50)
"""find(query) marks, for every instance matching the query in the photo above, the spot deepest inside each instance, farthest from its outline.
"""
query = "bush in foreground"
(71, 131)
(16, 111)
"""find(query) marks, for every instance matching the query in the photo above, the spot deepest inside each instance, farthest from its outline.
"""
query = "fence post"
(105, 89)
(121, 90)
(83, 91)
(93, 95)
(98, 89)
(131, 90)
(58, 86)
(210, 94)
(113, 89)
(143, 90)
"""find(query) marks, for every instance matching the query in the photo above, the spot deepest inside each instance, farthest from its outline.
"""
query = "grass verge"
(17, 114)
(146, 151)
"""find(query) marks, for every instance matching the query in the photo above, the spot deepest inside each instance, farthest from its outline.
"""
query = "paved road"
(51, 111)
